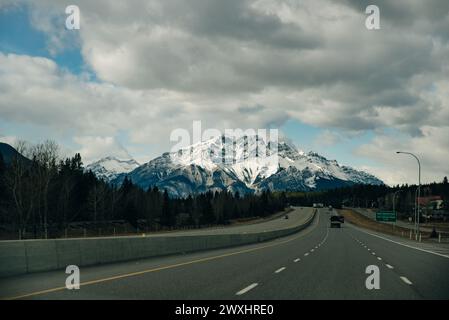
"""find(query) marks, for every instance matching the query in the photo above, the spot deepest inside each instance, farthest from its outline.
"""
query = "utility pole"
(419, 191)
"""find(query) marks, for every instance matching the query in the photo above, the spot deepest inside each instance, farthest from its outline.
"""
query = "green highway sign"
(388, 216)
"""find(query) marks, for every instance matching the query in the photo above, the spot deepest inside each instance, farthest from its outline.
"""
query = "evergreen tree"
(166, 219)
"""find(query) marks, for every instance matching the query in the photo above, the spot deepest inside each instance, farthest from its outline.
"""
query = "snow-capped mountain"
(245, 164)
(110, 168)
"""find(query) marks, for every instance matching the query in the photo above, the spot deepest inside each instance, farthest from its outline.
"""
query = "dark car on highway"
(335, 221)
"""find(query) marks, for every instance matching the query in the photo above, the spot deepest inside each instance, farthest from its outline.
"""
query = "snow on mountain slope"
(237, 164)
(110, 167)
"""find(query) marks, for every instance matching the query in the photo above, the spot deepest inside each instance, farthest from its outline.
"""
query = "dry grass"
(362, 221)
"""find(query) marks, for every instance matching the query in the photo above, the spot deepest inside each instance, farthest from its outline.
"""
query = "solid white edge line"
(245, 290)
(407, 281)
(403, 244)
(280, 270)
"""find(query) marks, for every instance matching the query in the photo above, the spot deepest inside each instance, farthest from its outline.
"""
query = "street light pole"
(416, 214)
(419, 188)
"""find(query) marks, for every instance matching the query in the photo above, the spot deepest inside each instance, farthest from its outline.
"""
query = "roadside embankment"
(362, 221)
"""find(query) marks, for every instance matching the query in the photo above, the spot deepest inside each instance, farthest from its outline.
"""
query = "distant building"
(434, 208)
(424, 201)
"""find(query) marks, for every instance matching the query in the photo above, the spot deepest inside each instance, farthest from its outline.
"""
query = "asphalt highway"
(316, 263)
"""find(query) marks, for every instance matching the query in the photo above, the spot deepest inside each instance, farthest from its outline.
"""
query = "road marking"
(306, 254)
(373, 253)
(379, 258)
(312, 250)
(245, 290)
(297, 260)
(314, 224)
(389, 266)
(407, 281)
(368, 249)
(316, 247)
(403, 244)
(280, 270)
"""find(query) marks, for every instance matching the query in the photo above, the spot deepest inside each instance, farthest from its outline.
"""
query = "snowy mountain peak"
(110, 167)
(237, 164)
(223, 150)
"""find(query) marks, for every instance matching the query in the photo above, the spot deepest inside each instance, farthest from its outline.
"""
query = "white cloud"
(11, 140)
(327, 138)
(431, 148)
(163, 64)
(94, 148)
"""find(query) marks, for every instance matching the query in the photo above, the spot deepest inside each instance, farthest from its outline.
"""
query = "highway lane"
(428, 271)
(316, 263)
(335, 270)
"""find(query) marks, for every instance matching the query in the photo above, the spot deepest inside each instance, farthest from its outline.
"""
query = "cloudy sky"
(136, 70)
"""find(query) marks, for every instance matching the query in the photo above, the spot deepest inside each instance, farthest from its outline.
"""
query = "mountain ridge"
(109, 168)
(218, 164)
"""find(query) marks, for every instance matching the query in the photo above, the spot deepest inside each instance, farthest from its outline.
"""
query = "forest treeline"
(374, 196)
(41, 195)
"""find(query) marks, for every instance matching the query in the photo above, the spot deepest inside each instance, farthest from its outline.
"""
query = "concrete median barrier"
(27, 256)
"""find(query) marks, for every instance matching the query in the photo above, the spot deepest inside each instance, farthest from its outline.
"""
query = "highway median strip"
(121, 276)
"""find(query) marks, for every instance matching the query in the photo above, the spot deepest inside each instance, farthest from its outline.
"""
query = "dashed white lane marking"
(316, 247)
(389, 266)
(245, 290)
(306, 254)
(312, 250)
(368, 249)
(403, 244)
(373, 253)
(280, 270)
(379, 258)
(407, 281)
(297, 260)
